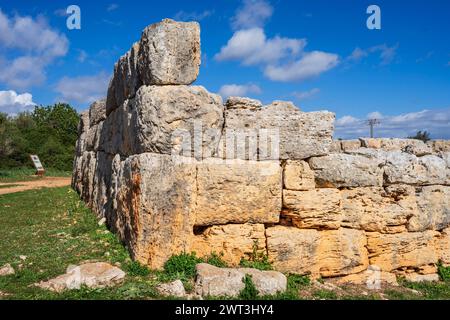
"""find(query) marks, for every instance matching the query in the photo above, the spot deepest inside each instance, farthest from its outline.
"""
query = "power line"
(372, 123)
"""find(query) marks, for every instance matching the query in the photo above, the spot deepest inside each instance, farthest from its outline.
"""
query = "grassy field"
(54, 229)
(27, 174)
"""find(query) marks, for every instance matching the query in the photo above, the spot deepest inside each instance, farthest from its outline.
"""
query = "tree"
(424, 136)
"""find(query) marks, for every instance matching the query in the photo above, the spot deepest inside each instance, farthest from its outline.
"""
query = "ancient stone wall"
(172, 168)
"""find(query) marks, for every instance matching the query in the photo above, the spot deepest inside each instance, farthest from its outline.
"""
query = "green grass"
(54, 229)
(8, 186)
(27, 174)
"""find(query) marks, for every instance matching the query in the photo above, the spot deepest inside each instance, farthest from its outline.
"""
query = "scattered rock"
(6, 270)
(101, 222)
(219, 282)
(23, 258)
(92, 275)
(172, 289)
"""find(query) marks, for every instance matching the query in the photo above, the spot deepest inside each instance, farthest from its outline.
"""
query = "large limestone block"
(317, 209)
(101, 196)
(319, 253)
(238, 191)
(280, 130)
(243, 103)
(119, 135)
(433, 212)
(402, 250)
(298, 176)
(221, 282)
(404, 168)
(83, 128)
(185, 120)
(93, 137)
(97, 112)
(86, 177)
(413, 146)
(347, 170)
(155, 201)
(443, 246)
(125, 81)
(170, 53)
(232, 242)
(384, 210)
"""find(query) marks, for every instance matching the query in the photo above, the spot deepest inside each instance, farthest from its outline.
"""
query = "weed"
(249, 292)
(257, 260)
(135, 269)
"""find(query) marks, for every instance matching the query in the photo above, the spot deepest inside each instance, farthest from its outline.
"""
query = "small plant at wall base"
(182, 266)
(249, 292)
(258, 260)
(444, 272)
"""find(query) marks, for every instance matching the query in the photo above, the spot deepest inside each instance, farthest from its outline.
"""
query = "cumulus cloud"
(192, 16)
(386, 53)
(252, 47)
(13, 103)
(83, 89)
(112, 7)
(437, 122)
(230, 90)
(310, 65)
(303, 95)
(253, 13)
(38, 43)
(281, 58)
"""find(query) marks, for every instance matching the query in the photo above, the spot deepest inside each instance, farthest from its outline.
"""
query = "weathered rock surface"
(172, 289)
(6, 270)
(433, 209)
(414, 277)
(318, 253)
(298, 176)
(243, 103)
(92, 275)
(178, 120)
(155, 207)
(413, 146)
(408, 249)
(97, 112)
(439, 145)
(297, 135)
(238, 191)
(345, 170)
(220, 282)
(168, 53)
(349, 145)
(233, 242)
(404, 168)
(319, 208)
(443, 247)
(373, 278)
(384, 210)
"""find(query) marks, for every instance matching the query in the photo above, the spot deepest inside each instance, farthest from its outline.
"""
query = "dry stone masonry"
(174, 169)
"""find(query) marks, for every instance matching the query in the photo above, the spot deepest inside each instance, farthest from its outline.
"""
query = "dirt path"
(47, 182)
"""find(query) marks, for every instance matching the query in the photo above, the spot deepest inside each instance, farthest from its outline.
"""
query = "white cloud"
(437, 122)
(39, 44)
(253, 13)
(310, 65)
(112, 7)
(252, 47)
(83, 89)
(12, 103)
(375, 115)
(306, 94)
(386, 53)
(192, 16)
(82, 56)
(235, 90)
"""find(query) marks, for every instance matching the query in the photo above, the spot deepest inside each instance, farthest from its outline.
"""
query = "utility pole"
(372, 123)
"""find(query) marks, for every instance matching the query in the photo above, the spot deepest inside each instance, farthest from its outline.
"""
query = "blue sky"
(318, 54)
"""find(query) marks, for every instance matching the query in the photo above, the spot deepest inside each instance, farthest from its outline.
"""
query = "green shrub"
(216, 260)
(249, 292)
(444, 272)
(182, 266)
(257, 260)
(135, 269)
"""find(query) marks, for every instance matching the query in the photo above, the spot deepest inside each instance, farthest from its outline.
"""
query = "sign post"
(40, 171)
